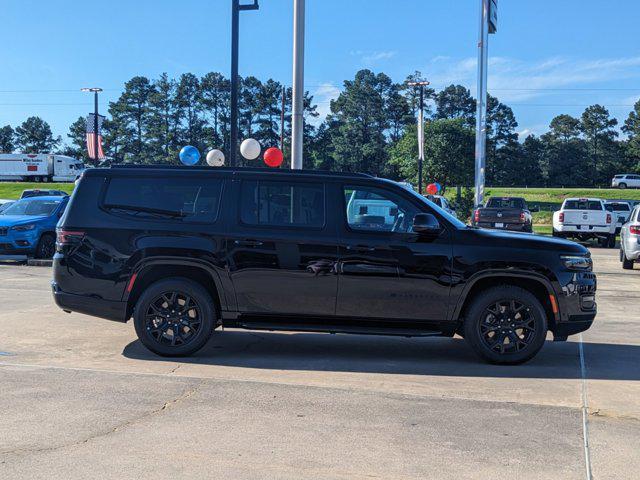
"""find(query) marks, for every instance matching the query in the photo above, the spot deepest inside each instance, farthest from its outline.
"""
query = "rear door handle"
(360, 248)
(248, 243)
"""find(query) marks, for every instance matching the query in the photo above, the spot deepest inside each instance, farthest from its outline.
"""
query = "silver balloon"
(215, 158)
(250, 149)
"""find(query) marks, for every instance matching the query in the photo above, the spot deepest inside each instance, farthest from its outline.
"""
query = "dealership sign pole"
(297, 117)
(488, 24)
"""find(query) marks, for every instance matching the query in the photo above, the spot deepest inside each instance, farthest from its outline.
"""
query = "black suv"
(185, 250)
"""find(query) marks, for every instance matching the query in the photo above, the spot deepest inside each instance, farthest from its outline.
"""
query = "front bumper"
(577, 303)
(18, 243)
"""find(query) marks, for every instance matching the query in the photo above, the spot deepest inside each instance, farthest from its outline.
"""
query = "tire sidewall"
(199, 295)
(474, 314)
(45, 237)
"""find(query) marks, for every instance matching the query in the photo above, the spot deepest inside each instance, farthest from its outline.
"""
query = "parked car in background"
(626, 181)
(443, 203)
(508, 213)
(621, 210)
(630, 240)
(187, 250)
(36, 192)
(5, 203)
(28, 226)
(585, 219)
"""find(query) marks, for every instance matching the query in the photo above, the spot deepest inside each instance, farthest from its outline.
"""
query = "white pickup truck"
(584, 219)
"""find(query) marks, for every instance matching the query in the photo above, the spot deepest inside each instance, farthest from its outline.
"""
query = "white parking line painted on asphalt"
(585, 413)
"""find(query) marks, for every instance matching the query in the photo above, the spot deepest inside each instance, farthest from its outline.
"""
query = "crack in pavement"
(181, 398)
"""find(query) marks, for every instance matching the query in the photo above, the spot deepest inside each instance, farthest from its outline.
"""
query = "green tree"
(34, 136)
(78, 137)
(190, 111)
(215, 93)
(163, 121)
(456, 101)
(449, 153)
(7, 139)
(565, 128)
(632, 128)
(598, 129)
(503, 150)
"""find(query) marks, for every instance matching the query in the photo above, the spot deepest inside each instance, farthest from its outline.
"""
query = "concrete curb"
(12, 259)
(34, 262)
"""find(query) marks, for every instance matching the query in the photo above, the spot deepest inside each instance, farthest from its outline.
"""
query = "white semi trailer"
(41, 167)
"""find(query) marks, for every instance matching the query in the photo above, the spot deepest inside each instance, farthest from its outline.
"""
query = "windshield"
(506, 203)
(32, 206)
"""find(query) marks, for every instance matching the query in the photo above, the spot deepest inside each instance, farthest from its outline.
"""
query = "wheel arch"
(152, 270)
(537, 284)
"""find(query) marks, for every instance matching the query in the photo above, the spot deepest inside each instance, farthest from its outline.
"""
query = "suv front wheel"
(505, 325)
(174, 317)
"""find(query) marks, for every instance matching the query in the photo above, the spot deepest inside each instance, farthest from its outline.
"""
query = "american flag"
(91, 136)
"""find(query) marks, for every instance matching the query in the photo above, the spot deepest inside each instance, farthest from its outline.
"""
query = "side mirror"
(426, 224)
(534, 209)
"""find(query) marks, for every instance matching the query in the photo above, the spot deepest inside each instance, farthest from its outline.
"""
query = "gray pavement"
(81, 398)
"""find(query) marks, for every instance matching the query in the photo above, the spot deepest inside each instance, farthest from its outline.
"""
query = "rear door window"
(282, 204)
(179, 199)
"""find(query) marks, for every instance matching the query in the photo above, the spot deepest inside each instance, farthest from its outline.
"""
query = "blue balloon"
(189, 155)
(438, 186)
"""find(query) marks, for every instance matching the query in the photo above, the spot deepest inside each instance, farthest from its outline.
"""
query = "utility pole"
(421, 86)
(488, 24)
(282, 119)
(96, 155)
(236, 7)
(297, 118)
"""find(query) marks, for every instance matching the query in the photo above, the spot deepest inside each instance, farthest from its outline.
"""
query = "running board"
(349, 329)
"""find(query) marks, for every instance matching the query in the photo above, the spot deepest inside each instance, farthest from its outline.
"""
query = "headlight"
(576, 262)
(24, 228)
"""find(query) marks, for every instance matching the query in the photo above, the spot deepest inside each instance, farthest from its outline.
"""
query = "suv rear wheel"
(626, 263)
(622, 185)
(505, 325)
(174, 317)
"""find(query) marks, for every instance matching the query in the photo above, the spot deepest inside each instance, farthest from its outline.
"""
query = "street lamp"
(236, 7)
(420, 130)
(95, 91)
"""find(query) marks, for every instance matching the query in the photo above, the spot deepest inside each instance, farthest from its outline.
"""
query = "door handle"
(360, 248)
(248, 243)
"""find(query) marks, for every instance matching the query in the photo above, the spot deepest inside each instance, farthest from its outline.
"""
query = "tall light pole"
(488, 24)
(96, 91)
(297, 118)
(236, 6)
(421, 86)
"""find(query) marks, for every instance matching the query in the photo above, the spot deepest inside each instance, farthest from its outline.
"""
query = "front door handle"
(248, 243)
(360, 248)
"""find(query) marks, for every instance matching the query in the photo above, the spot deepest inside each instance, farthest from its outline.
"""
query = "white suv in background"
(630, 240)
(626, 181)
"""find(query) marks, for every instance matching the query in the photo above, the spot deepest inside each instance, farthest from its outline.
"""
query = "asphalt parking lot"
(81, 398)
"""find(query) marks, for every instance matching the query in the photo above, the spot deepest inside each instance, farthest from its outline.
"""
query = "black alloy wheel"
(46, 246)
(505, 324)
(174, 317)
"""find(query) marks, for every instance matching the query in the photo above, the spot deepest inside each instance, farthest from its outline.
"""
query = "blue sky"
(548, 57)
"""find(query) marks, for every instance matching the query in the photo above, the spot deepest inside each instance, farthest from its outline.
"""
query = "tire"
(603, 241)
(556, 234)
(626, 264)
(611, 241)
(479, 331)
(622, 186)
(46, 246)
(165, 336)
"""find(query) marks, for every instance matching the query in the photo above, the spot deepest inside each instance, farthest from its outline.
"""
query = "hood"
(13, 220)
(527, 241)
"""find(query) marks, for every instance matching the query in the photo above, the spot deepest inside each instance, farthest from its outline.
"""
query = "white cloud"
(369, 58)
(322, 96)
(514, 80)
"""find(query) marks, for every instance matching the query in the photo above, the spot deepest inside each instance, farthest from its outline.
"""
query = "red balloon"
(273, 157)
(432, 189)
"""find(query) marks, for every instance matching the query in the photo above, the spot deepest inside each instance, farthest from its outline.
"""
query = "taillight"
(67, 237)
(561, 217)
(608, 218)
(476, 215)
(634, 230)
(522, 216)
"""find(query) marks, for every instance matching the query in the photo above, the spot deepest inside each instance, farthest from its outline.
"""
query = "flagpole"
(96, 133)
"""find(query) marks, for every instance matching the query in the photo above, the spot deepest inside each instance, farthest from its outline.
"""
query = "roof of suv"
(262, 170)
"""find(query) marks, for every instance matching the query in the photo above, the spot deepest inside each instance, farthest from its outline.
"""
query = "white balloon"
(215, 158)
(250, 149)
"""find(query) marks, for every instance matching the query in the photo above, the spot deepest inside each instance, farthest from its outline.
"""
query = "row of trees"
(370, 128)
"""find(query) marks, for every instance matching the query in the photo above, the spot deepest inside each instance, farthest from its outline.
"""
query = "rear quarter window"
(195, 199)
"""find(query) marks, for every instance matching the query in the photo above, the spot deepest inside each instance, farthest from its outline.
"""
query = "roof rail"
(239, 169)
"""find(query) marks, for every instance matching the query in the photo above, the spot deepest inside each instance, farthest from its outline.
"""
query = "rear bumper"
(97, 307)
(516, 227)
(583, 229)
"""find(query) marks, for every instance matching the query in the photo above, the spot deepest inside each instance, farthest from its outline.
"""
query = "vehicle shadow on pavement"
(415, 356)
